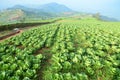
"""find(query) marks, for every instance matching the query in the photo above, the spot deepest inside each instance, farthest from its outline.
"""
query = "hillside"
(11, 15)
(19, 13)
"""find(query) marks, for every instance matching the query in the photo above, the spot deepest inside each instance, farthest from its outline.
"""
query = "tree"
(22, 20)
(97, 15)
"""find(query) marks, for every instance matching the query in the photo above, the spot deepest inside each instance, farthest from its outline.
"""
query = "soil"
(10, 35)
(45, 62)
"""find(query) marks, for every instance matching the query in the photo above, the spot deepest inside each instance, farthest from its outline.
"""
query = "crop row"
(63, 51)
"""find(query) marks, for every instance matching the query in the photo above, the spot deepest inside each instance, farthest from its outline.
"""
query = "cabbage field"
(65, 50)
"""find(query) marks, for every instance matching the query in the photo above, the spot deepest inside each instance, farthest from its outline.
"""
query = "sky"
(109, 8)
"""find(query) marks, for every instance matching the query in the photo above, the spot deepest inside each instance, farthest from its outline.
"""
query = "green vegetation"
(27, 24)
(67, 50)
(13, 16)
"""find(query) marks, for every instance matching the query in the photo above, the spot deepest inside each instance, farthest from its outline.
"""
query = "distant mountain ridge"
(105, 18)
(46, 11)
(54, 8)
(49, 8)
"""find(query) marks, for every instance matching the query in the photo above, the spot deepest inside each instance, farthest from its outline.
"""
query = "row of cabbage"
(84, 51)
(19, 59)
(79, 51)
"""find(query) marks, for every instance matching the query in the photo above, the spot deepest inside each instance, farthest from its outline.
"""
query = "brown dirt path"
(11, 35)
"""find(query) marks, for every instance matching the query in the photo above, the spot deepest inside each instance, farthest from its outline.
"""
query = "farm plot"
(69, 50)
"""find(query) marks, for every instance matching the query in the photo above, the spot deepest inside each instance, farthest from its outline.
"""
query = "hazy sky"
(109, 8)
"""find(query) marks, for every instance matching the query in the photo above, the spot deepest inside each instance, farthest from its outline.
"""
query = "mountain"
(48, 8)
(19, 7)
(46, 11)
(106, 18)
(54, 8)
(20, 13)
